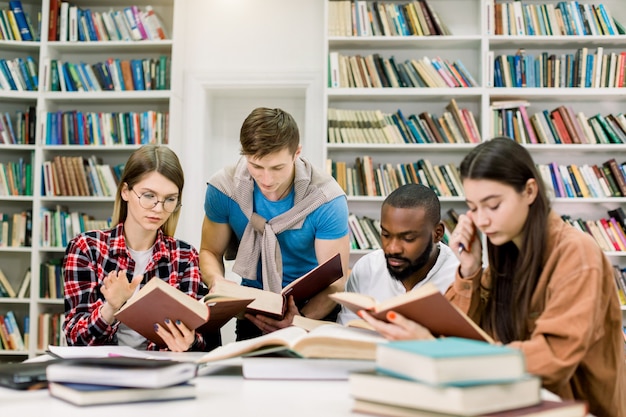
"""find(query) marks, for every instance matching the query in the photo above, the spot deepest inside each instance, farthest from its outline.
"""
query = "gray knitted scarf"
(313, 188)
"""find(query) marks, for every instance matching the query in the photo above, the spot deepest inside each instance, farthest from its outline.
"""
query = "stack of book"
(450, 376)
(90, 381)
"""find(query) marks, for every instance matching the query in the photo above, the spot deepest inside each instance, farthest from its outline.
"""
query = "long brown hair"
(147, 159)
(514, 272)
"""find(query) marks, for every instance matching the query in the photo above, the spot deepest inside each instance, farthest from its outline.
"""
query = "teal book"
(450, 361)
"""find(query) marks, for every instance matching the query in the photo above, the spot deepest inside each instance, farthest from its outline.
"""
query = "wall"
(246, 41)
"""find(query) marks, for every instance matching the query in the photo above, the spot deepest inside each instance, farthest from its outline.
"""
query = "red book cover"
(53, 20)
(560, 127)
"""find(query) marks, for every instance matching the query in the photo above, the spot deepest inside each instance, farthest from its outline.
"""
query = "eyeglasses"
(149, 201)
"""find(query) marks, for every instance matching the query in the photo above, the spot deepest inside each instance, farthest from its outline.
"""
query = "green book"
(162, 73)
(613, 138)
(55, 84)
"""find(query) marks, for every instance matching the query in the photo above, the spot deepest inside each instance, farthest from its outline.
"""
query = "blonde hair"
(147, 159)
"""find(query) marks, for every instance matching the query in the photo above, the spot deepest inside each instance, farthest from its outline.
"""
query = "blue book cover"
(497, 73)
(90, 25)
(20, 19)
(4, 67)
(607, 20)
(555, 134)
(415, 130)
(137, 70)
(25, 75)
(412, 138)
(589, 71)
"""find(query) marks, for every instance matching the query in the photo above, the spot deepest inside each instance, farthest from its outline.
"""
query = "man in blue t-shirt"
(286, 215)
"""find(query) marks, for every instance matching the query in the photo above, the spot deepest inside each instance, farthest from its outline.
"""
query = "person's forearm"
(211, 268)
(321, 305)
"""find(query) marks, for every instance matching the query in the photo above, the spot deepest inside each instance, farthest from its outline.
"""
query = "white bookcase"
(14, 261)
(467, 20)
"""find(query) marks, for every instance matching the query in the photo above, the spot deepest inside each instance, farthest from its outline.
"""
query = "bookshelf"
(16, 261)
(471, 42)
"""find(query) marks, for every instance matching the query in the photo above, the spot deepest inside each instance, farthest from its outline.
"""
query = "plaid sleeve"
(83, 323)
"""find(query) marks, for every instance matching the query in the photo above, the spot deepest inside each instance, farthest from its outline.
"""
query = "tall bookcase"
(15, 261)
(471, 43)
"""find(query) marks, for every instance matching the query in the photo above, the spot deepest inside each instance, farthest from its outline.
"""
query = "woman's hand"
(398, 327)
(465, 243)
(176, 335)
(116, 291)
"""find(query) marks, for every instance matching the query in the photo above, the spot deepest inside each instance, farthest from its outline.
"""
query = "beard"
(412, 267)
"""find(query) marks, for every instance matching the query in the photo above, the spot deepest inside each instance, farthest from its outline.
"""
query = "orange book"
(127, 75)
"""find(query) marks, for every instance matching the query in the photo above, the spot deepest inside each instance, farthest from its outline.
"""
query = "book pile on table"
(452, 376)
(91, 381)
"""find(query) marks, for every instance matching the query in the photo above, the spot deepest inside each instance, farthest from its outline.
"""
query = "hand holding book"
(397, 327)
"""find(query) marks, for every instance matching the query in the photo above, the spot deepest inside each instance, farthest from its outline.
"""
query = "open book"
(275, 304)
(157, 300)
(325, 341)
(425, 305)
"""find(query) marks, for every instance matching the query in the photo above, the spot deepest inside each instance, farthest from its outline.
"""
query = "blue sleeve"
(332, 219)
(216, 205)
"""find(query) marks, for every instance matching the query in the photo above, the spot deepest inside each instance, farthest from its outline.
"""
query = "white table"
(223, 394)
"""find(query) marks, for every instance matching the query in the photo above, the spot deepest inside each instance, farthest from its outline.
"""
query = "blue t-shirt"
(329, 222)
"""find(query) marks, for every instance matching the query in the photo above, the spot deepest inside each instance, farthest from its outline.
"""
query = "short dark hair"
(414, 196)
(266, 131)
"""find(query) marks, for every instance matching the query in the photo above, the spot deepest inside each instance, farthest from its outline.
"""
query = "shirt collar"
(118, 244)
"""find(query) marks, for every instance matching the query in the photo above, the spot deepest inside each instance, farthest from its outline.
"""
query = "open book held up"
(425, 305)
(157, 300)
(275, 304)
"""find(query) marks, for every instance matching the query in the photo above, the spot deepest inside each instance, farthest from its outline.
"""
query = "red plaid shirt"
(89, 258)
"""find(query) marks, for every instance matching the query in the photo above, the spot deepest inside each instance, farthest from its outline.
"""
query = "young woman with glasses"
(104, 268)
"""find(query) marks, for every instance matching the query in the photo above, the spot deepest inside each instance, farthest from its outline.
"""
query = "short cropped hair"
(414, 196)
(266, 131)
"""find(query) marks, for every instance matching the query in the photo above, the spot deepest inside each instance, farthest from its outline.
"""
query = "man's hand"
(321, 305)
(267, 324)
(398, 328)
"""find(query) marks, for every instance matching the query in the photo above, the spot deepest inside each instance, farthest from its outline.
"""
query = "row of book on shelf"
(365, 178)
(11, 337)
(561, 125)
(16, 178)
(609, 233)
(76, 127)
(59, 225)
(379, 18)
(19, 130)
(50, 282)
(113, 74)
(16, 24)
(551, 19)
(585, 181)
(16, 339)
(72, 23)
(455, 125)
(584, 69)
(375, 71)
(19, 74)
(16, 229)
(80, 176)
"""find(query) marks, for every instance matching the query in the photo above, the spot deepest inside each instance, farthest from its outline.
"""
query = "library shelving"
(472, 40)
(133, 116)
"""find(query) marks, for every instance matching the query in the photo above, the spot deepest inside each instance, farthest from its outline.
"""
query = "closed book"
(450, 360)
(20, 20)
(89, 394)
(284, 368)
(461, 400)
(424, 305)
(545, 408)
(157, 301)
(122, 372)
